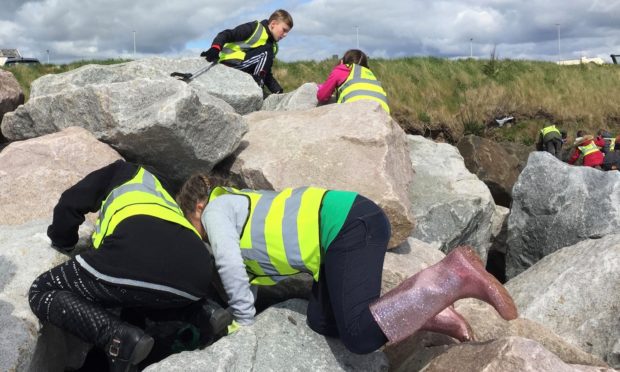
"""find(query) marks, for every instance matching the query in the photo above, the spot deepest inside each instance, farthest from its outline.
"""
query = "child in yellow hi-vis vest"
(252, 47)
(260, 237)
(353, 81)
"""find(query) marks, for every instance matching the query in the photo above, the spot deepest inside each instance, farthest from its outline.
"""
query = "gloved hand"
(212, 54)
(233, 327)
(65, 250)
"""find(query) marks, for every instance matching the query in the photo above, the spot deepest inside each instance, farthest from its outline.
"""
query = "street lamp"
(48, 56)
(559, 50)
(471, 50)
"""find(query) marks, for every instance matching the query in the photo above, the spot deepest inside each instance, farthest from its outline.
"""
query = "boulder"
(302, 98)
(574, 292)
(499, 229)
(160, 123)
(25, 254)
(510, 354)
(11, 94)
(557, 205)
(235, 87)
(404, 261)
(451, 206)
(280, 340)
(354, 147)
(497, 165)
(33, 173)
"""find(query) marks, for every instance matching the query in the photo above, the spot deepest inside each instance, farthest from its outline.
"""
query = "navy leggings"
(350, 280)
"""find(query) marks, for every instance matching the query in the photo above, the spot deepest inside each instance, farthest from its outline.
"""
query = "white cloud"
(77, 29)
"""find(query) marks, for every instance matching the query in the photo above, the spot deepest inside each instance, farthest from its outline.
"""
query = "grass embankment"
(433, 96)
(439, 97)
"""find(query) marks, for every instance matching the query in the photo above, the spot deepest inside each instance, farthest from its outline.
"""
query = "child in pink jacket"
(362, 84)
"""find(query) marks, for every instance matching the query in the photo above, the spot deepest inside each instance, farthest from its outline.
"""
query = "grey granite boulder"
(25, 254)
(302, 98)
(280, 340)
(574, 292)
(354, 147)
(556, 205)
(236, 88)
(510, 354)
(161, 123)
(452, 206)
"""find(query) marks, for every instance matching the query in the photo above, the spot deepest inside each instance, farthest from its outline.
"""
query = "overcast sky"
(519, 29)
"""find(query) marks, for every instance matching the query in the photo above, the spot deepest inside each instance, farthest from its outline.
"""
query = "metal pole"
(134, 44)
(48, 56)
(471, 49)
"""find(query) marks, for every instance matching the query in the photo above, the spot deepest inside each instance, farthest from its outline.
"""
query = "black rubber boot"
(127, 347)
(124, 345)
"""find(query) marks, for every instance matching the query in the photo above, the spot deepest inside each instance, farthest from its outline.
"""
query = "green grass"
(433, 96)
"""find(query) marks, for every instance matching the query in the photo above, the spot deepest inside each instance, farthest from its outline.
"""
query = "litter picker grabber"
(187, 77)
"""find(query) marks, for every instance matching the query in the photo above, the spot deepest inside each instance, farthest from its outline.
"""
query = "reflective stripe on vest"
(361, 84)
(237, 50)
(281, 235)
(549, 129)
(588, 149)
(141, 195)
(612, 144)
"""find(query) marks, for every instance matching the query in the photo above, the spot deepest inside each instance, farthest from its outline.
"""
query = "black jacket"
(142, 248)
(242, 33)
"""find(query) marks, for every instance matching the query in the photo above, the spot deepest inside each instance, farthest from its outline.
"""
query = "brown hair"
(355, 56)
(195, 190)
(282, 15)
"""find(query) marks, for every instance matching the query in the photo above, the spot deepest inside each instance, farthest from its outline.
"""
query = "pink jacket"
(335, 79)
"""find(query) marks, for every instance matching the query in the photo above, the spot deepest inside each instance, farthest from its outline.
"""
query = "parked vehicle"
(21, 61)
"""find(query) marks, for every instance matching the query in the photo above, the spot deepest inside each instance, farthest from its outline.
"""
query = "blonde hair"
(195, 190)
(282, 15)
(355, 56)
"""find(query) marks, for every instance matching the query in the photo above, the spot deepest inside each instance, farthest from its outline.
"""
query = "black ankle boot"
(210, 318)
(127, 347)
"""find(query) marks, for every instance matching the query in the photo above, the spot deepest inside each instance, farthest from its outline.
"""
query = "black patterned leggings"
(70, 298)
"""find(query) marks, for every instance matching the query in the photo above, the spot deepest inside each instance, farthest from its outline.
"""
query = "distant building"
(8, 53)
(9, 57)
(595, 60)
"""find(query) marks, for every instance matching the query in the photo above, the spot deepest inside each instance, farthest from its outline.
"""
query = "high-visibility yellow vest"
(236, 50)
(141, 195)
(588, 149)
(612, 144)
(549, 129)
(361, 84)
(281, 235)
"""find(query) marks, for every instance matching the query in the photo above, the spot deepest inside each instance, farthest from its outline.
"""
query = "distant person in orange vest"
(592, 156)
(353, 81)
(550, 140)
(252, 47)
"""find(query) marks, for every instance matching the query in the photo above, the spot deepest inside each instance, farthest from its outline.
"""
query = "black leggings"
(70, 298)
(350, 280)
